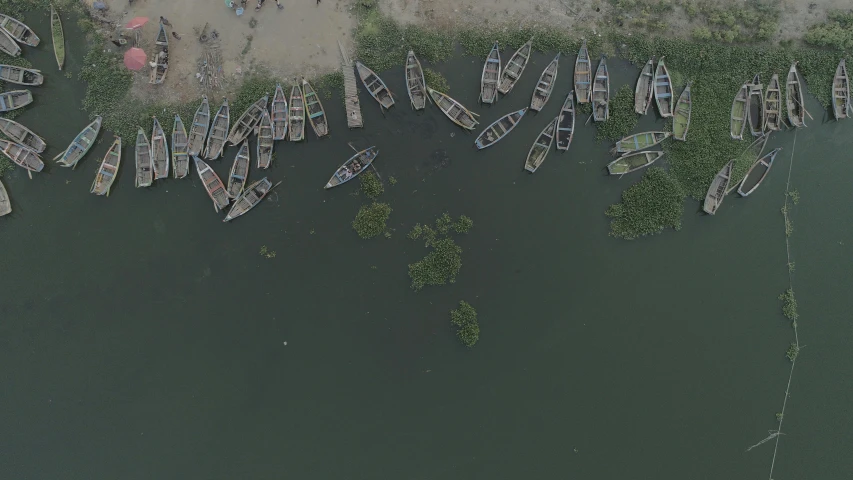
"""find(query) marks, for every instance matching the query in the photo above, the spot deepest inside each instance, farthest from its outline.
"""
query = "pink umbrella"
(136, 23)
(135, 58)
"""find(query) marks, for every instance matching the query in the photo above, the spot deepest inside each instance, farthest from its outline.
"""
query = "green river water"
(142, 338)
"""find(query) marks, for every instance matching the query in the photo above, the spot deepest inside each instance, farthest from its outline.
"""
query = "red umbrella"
(136, 23)
(135, 58)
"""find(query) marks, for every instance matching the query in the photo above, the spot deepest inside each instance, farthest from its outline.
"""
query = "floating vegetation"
(622, 118)
(371, 219)
(779, 416)
(6, 165)
(651, 205)
(382, 43)
(793, 351)
(789, 305)
(794, 195)
(443, 263)
(392, 180)
(836, 32)
(465, 317)
(436, 80)
(267, 252)
(463, 225)
(370, 185)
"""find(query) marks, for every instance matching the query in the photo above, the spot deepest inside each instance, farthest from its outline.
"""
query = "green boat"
(632, 162)
(58, 37)
(640, 141)
(681, 120)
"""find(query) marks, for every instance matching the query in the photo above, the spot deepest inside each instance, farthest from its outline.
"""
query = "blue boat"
(498, 130)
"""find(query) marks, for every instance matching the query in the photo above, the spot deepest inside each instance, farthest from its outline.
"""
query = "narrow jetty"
(351, 91)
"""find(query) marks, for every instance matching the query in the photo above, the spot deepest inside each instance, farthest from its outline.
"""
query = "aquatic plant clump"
(789, 305)
(436, 80)
(443, 263)
(465, 317)
(651, 205)
(622, 118)
(371, 219)
(463, 225)
(6, 165)
(793, 351)
(382, 43)
(370, 185)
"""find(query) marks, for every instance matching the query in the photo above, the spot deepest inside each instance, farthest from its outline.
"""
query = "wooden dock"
(354, 119)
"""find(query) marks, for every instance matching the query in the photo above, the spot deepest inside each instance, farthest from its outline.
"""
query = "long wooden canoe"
(583, 75)
(15, 99)
(21, 75)
(297, 115)
(247, 121)
(681, 118)
(756, 107)
(316, 114)
(265, 141)
(717, 190)
(640, 141)
(161, 57)
(21, 134)
(159, 151)
(773, 104)
(601, 93)
(415, 81)
(455, 111)
(199, 128)
(142, 156)
(108, 170)
(20, 32)
(740, 109)
(756, 174)
(499, 129)
(566, 123)
(5, 204)
(218, 132)
(491, 76)
(353, 167)
(794, 98)
(22, 156)
(515, 67)
(58, 36)
(631, 162)
(841, 91)
(80, 145)
(212, 184)
(239, 170)
(251, 197)
(545, 85)
(540, 148)
(8, 45)
(278, 114)
(643, 92)
(374, 85)
(180, 156)
(663, 89)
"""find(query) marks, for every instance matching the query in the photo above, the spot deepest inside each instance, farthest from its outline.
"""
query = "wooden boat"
(491, 76)
(159, 151)
(21, 134)
(247, 121)
(144, 166)
(5, 204)
(247, 200)
(681, 118)
(515, 67)
(21, 75)
(499, 129)
(841, 91)
(180, 156)
(265, 141)
(663, 90)
(454, 110)
(58, 37)
(756, 174)
(353, 167)
(161, 57)
(239, 170)
(601, 93)
(80, 145)
(20, 32)
(22, 156)
(218, 132)
(297, 115)
(773, 104)
(212, 184)
(374, 85)
(108, 170)
(199, 129)
(540, 147)
(643, 92)
(632, 162)
(717, 190)
(640, 141)
(8, 45)
(583, 75)
(745, 160)
(15, 99)
(794, 98)
(740, 107)
(278, 114)
(566, 123)
(316, 114)
(545, 86)
(756, 107)
(415, 82)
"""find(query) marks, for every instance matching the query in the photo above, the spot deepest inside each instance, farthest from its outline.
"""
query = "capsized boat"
(212, 184)
(159, 151)
(250, 197)
(515, 67)
(21, 134)
(541, 147)
(218, 132)
(717, 190)
(491, 76)
(199, 128)
(20, 75)
(499, 129)
(81, 144)
(640, 141)
(247, 121)
(583, 75)
(756, 107)
(15, 99)
(455, 111)
(566, 123)
(22, 156)
(144, 167)
(316, 114)
(757, 173)
(107, 171)
(663, 89)
(794, 98)
(353, 167)
(58, 36)
(180, 156)
(740, 107)
(601, 93)
(297, 115)
(681, 118)
(5, 204)
(278, 114)
(545, 85)
(841, 91)
(239, 171)
(17, 30)
(631, 162)
(374, 85)
(415, 82)
(643, 92)
(265, 141)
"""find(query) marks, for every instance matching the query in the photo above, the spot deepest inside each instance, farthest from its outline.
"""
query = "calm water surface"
(142, 338)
